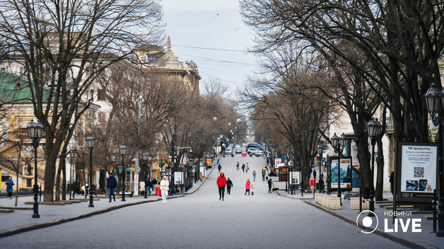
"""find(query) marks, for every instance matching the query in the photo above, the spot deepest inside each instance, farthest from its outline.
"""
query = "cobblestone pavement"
(201, 220)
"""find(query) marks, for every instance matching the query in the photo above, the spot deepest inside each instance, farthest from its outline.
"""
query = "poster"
(345, 172)
(419, 165)
(178, 177)
(277, 161)
(295, 177)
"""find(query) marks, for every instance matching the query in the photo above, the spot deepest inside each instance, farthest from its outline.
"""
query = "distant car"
(237, 146)
(238, 151)
(228, 150)
(252, 150)
(259, 153)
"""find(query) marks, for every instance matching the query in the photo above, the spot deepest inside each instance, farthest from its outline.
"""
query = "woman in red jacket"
(221, 183)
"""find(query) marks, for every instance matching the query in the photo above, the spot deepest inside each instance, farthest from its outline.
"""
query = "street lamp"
(435, 101)
(91, 142)
(145, 156)
(338, 144)
(373, 129)
(122, 149)
(35, 132)
(320, 149)
(72, 157)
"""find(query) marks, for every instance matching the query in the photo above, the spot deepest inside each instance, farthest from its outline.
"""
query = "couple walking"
(221, 183)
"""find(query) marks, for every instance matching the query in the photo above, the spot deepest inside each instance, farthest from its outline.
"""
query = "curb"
(203, 181)
(58, 222)
(391, 237)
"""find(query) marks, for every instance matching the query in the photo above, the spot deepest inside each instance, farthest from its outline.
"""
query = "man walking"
(219, 167)
(112, 185)
(269, 185)
(243, 167)
(229, 185)
(221, 183)
(254, 175)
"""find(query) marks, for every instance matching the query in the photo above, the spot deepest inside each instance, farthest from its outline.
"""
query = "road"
(201, 220)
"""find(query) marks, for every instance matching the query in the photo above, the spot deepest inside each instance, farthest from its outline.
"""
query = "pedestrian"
(314, 174)
(229, 185)
(237, 165)
(219, 167)
(243, 167)
(392, 181)
(266, 175)
(263, 175)
(9, 188)
(221, 183)
(247, 187)
(322, 175)
(218, 158)
(247, 168)
(270, 182)
(164, 187)
(321, 186)
(112, 185)
(252, 189)
(254, 175)
(142, 187)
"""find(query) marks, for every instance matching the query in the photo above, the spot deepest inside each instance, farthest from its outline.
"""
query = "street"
(201, 220)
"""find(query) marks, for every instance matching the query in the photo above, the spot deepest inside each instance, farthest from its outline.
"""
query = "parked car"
(238, 151)
(228, 150)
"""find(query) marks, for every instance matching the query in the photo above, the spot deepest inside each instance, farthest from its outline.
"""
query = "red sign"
(312, 183)
(244, 154)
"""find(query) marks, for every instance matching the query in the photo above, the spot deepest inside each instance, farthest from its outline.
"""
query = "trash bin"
(366, 194)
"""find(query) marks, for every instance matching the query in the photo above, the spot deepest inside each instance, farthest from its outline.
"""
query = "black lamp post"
(122, 149)
(435, 105)
(35, 132)
(320, 149)
(339, 144)
(373, 129)
(91, 142)
(72, 157)
(145, 156)
(173, 165)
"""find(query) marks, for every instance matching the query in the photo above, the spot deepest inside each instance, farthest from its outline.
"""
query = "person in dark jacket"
(243, 167)
(229, 185)
(237, 165)
(270, 182)
(112, 185)
(219, 167)
(221, 183)
(321, 185)
(9, 189)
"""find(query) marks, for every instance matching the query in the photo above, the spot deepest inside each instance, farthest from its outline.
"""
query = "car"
(252, 150)
(228, 150)
(237, 146)
(238, 151)
(259, 153)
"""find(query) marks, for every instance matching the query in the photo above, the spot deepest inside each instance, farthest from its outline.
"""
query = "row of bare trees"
(372, 54)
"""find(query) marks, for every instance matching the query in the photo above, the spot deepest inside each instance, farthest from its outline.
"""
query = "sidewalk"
(423, 239)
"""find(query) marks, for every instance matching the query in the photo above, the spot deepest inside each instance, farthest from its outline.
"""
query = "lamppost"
(91, 142)
(145, 156)
(72, 157)
(173, 164)
(338, 144)
(373, 129)
(122, 149)
(435, 105)
(320, 149)
(35, 132)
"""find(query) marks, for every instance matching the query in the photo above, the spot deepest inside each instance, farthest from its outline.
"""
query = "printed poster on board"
(418, 174)
(345, 172)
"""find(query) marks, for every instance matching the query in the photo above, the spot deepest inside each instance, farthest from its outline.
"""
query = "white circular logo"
(367, 221)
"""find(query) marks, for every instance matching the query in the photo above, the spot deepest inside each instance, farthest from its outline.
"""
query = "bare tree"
(64, 46)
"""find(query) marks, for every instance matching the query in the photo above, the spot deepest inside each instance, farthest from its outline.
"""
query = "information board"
(345, 173)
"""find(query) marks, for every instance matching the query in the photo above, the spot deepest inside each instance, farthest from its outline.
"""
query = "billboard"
(345, 172)
(295, 177)
(417, 171)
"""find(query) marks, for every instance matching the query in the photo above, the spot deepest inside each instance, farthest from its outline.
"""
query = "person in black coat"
(229, 185)
(270, 183)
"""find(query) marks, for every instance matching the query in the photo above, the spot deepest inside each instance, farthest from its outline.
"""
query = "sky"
(212, 34)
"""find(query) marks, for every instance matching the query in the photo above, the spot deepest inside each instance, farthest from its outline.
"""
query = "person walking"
(164, 187)
(270, 183)
(321, 186)
(142, 188)
(219, 167)
(247, 187)
(112, 185)
(322, 175)
(314, 174)
(254, 175)
(243, 167)
(237, 165)
(263, 175)
(229, 185)
(266, 175)
(9, 188)
(252, 189)
(221, 183)
(247, 168)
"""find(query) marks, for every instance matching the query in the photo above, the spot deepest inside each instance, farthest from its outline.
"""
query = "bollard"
(434, 211)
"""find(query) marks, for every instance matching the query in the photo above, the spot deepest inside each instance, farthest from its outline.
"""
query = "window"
(29, 183)
(101, 94)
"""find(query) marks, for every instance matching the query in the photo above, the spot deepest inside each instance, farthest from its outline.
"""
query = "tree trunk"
(63, 166)
(57, 195)
(380, 172)
(17, 185)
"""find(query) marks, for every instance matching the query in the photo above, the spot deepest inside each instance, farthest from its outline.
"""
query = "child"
(252, 189)
(247, 187)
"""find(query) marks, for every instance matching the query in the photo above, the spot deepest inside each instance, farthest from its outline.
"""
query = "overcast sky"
(211, 25)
